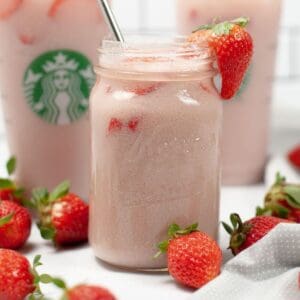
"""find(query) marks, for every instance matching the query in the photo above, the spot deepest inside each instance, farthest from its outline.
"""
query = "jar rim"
(152, 54)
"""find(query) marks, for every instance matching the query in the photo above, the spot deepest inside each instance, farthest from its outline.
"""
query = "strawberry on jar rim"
(233, 47)
(194, 258)
(63, 216)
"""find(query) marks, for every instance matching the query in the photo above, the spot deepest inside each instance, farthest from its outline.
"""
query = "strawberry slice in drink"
(26, 39)
(114, 125)
(233, 47)
(8, 7)
(142, 90)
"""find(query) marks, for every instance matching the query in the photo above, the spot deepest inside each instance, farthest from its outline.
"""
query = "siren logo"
(57, 85)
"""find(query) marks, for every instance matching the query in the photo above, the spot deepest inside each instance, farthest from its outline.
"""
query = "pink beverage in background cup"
(246, 118)
(155, 122)
(47, 52)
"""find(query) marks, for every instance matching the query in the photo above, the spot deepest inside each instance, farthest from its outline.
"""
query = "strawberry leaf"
(242, 21)
(279, 179)
(204, 27)
(6, 183)
(59, 283)
(40, 196)
(163, 248)
(45, 278)
(11, 165)
(263, 211)
(36, 261)
(60, 191)
(173, 230)
(6, 219)
(293, 191)
(223, 28)
(47, 233)
(18, 193)
(227, 228)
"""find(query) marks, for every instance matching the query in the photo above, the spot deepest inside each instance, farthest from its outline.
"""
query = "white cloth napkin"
(268, 270)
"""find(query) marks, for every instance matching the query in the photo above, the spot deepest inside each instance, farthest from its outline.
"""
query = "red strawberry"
(282, 200)
(233, 47)
(8, 7)
(15, 225)
(114, 125)
(194, 258)
(63, 216)
(244, 235)
(88, 292)
(294, 157)
(18, 280)
(8, 189)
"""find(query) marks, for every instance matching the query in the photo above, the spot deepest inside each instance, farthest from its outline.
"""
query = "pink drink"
(156, 121)
(246, 118)
(47, 54)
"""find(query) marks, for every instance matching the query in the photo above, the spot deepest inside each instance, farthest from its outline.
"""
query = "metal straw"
(111, 20)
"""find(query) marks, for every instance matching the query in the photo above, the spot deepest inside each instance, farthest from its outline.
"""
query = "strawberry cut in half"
(8, 7)
(233, 47)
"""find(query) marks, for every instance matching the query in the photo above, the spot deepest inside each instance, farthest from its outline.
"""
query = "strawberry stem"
(174, 231)
(11, 165)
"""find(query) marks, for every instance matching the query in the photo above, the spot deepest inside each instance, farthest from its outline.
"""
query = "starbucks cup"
(246, 117)
(47, 54)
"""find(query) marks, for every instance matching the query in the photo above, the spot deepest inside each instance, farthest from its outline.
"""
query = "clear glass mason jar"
(155, 132)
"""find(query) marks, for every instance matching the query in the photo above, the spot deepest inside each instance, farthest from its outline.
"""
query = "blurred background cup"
(246, 118)
(47, 53)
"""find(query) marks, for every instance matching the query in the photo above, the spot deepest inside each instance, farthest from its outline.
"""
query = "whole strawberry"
(282, 200)
(194, 258)
(233, 47)
(8, 188)
(63, 216)
(15, 225)
(294, 157)
(88, 292)
(17, 279)
(245, 234)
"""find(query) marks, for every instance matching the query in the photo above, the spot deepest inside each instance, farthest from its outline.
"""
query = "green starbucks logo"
(57, 85)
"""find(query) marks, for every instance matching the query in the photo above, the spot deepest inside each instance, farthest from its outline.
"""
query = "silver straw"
(111, 20)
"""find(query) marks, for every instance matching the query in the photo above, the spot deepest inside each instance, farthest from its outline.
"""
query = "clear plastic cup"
(47, 53)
